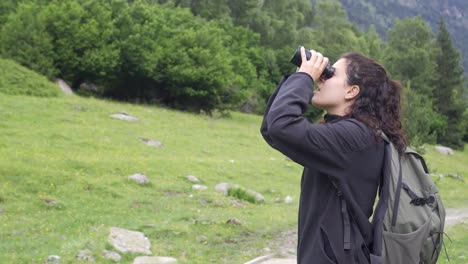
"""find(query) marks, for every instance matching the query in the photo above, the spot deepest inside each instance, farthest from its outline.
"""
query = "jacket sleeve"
(264, 127)
(319, 146)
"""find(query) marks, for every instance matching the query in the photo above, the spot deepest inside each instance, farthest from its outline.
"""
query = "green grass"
(18, 80)
(64, 165)
(70, 151)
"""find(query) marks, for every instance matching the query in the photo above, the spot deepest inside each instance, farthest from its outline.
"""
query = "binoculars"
(297, 60)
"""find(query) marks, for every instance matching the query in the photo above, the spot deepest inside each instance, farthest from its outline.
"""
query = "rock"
(154, 260)
(53, 259)
(288, 199)
(139, 178)
(192, 178)
(152, 143)
(85, 255)
(202, 239)
(64, 87)
(444, 150)
(89, 87)
(223, 187)
(277, 200)
(114, 256)
(258, 197)
(204, 202)
(199, 187)
(127, 241)
(233, 221)
(125, 117)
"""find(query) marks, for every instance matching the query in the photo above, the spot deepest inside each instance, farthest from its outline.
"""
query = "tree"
(334, 33)
(24, 38)
(82, 32)
(409, 54)
(449, 93)
(421, 124)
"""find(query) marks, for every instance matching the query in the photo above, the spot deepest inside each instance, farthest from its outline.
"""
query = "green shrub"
(18, 80)
(242, 194)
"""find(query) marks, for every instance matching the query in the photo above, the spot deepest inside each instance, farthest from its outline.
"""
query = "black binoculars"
(297, 60)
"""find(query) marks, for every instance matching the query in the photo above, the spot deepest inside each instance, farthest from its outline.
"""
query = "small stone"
(125, 117)
(192, 178)
(288, 199)
(278, 200)
(202, 238)
(199, 187)
(53, 259)
(85, 255)
(154, 260)
(204, 202)
(139, 178)
(233, 221)
(152, 143)
(223, 187)
(114, 256)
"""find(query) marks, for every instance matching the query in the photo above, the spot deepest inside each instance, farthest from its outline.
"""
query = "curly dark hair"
(378, 103)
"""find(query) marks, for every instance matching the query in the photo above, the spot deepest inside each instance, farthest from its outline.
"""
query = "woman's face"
(330, 94)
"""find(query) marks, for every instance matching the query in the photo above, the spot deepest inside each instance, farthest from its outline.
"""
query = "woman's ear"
(352, 92)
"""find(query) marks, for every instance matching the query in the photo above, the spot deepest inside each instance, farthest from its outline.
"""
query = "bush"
(241, 194)
(24, 38)
(420, 122)
(18, 80)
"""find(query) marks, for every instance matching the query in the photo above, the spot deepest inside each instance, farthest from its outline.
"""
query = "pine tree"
(449, 92)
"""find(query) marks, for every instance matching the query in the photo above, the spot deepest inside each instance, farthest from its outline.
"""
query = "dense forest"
(221, 55)
(383, 14)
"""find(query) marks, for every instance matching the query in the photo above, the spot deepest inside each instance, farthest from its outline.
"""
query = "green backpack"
(408, 221)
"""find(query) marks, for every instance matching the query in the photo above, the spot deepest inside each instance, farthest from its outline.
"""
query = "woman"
(342, 157)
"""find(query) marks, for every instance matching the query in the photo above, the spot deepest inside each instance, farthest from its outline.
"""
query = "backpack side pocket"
(406, 248)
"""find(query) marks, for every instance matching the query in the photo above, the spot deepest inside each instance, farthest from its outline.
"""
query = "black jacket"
(342, 151)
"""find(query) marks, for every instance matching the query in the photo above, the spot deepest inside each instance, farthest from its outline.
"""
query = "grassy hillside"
(69, 151)
(64, 167)
(18, 80)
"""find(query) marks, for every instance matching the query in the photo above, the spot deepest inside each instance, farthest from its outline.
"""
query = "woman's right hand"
(315, 65)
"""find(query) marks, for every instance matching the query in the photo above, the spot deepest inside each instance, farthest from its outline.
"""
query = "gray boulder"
(127, 241)
(139, 178)
(444, 150)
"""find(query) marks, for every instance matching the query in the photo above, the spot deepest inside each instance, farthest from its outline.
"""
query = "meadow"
(64, 168)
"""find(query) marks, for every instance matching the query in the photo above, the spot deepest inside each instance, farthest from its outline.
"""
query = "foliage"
(383, 14)
(18, 80)
(408, 54)
(420, 122)
(449, 93)
(25, 39)
(220, 55)
(82, 33)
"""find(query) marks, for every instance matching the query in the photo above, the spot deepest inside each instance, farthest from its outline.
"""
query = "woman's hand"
(315, 66)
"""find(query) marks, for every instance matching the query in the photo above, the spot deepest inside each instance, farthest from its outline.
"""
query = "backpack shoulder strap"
(382, 205)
